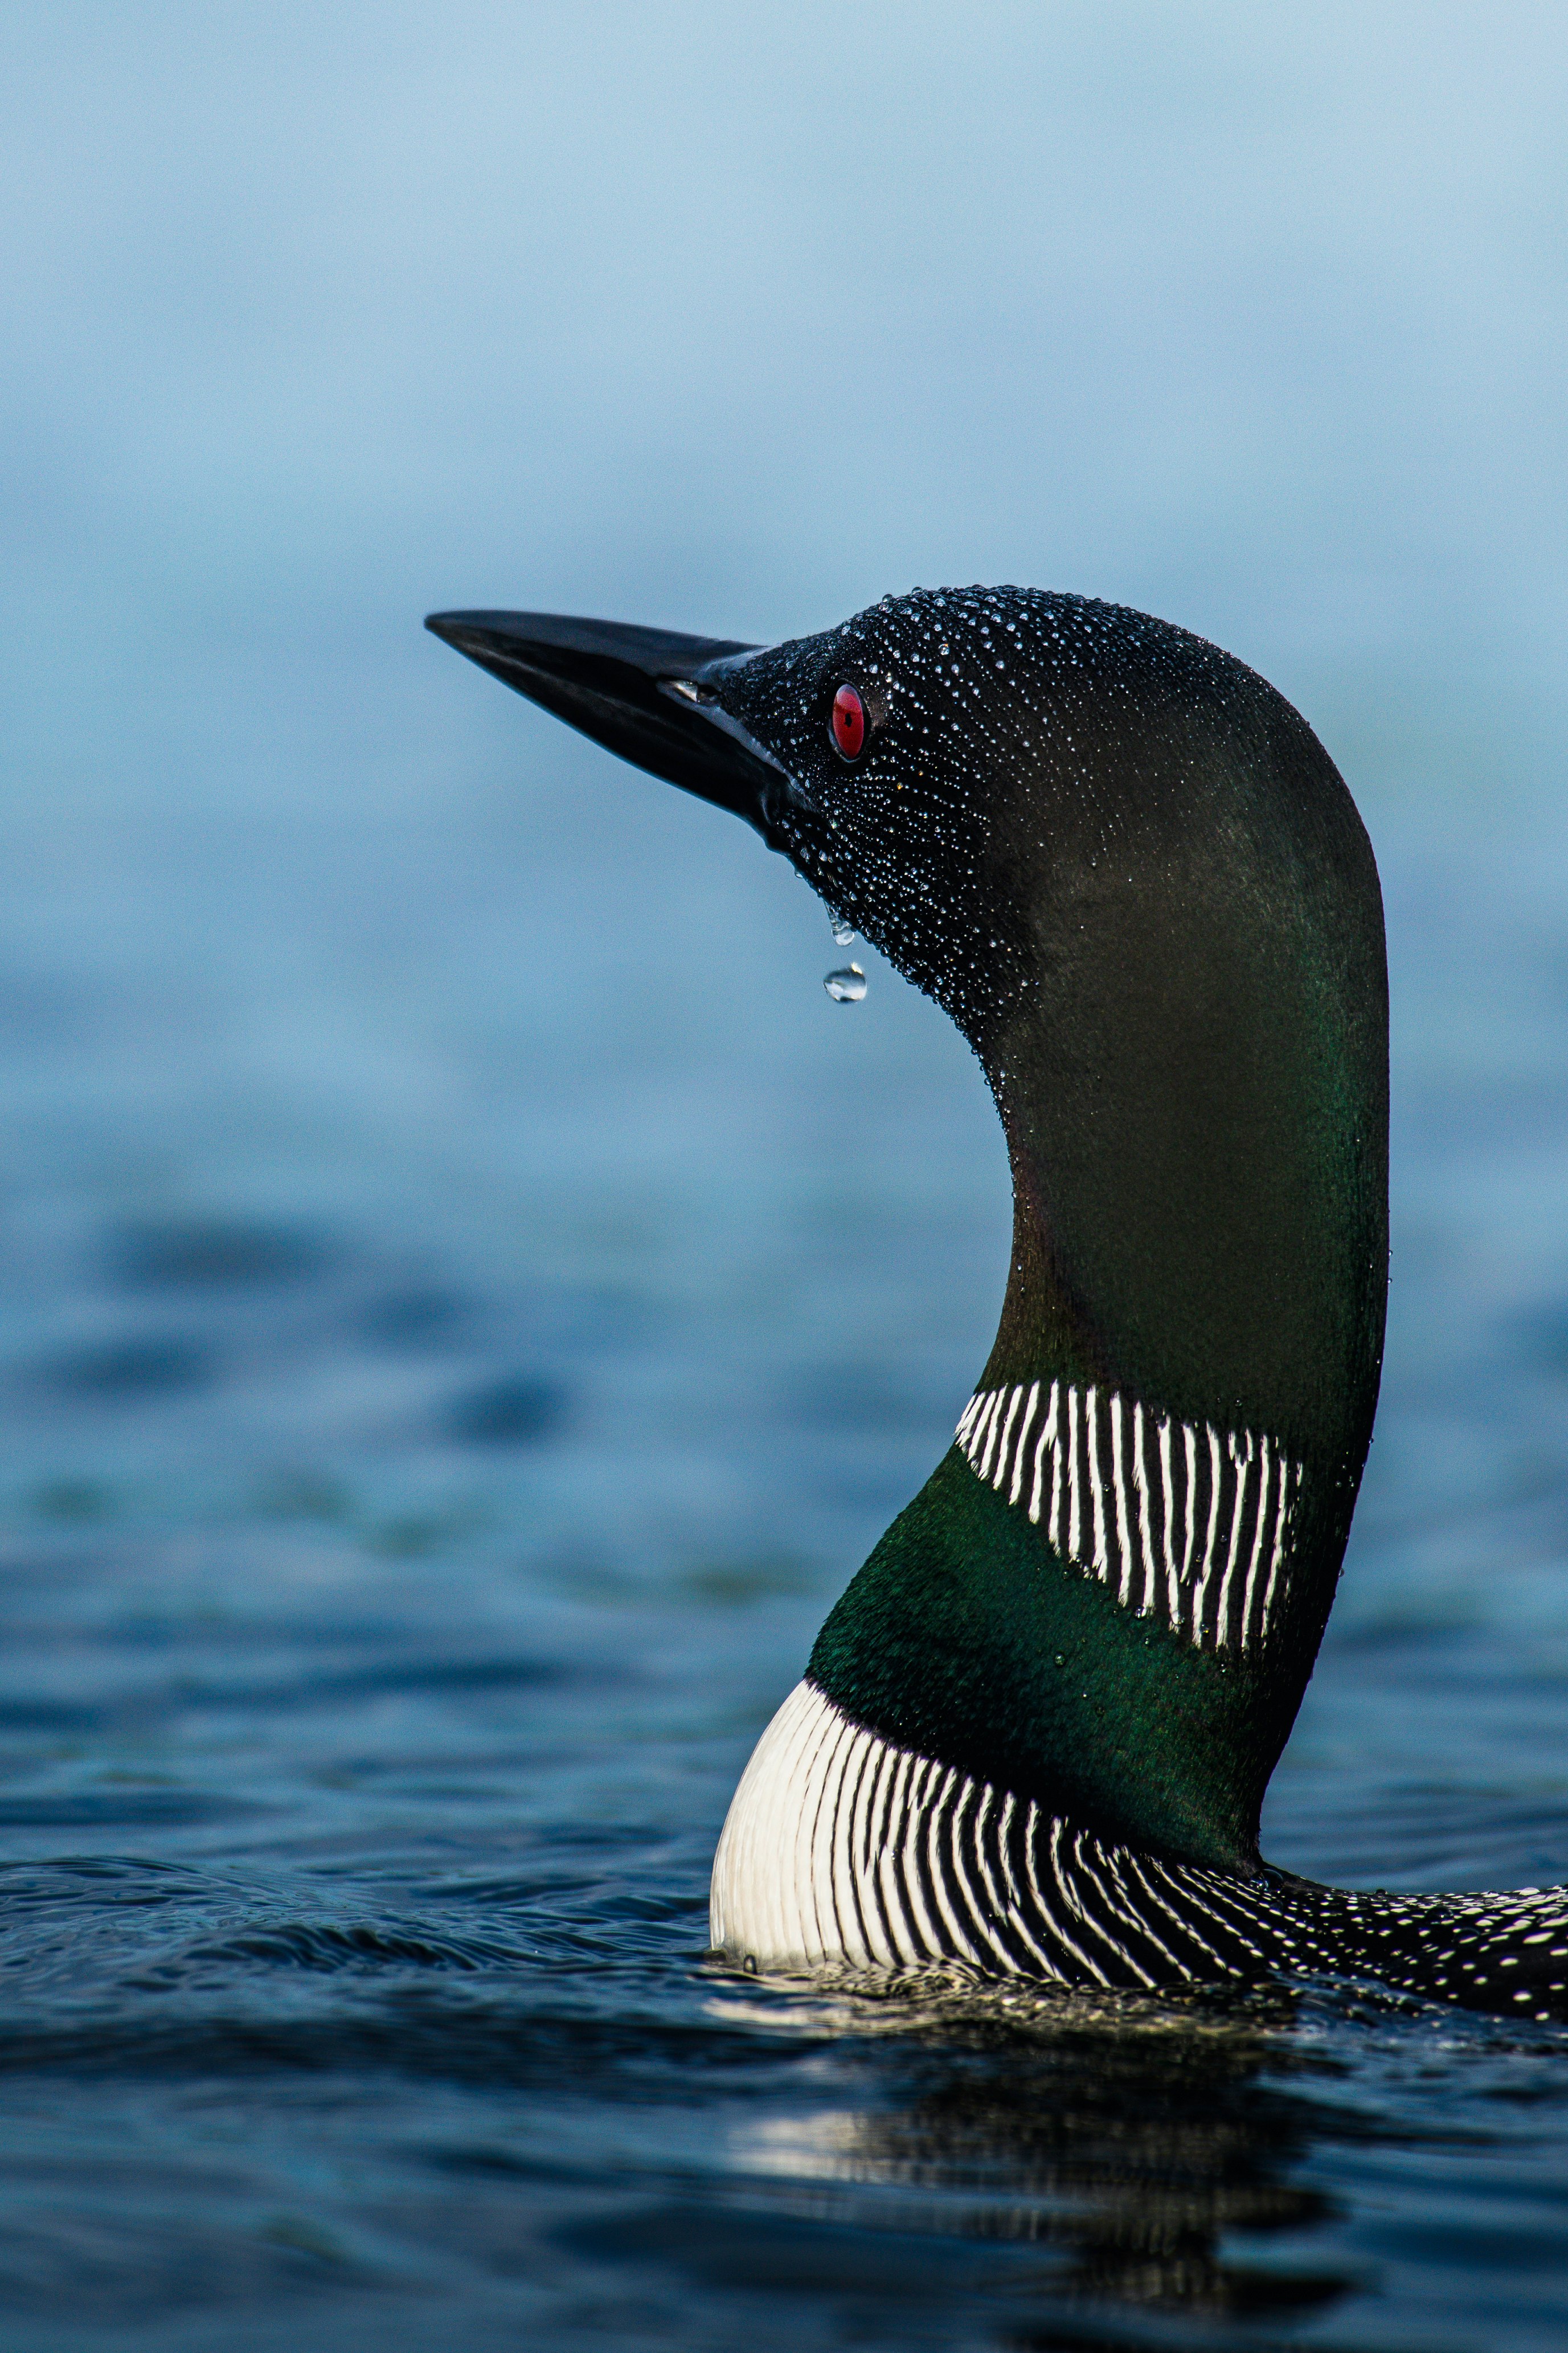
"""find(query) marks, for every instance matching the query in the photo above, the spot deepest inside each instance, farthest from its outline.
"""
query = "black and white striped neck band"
(1184, 1523)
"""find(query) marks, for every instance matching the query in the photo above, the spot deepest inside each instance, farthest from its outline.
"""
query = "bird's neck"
(1109, 1595)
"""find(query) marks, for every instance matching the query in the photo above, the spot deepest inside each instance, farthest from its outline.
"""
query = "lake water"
(470, 1300)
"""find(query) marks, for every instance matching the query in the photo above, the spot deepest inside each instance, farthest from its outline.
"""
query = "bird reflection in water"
(1133, 2139)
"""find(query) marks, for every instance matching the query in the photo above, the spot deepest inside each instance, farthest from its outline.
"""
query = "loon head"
(1130, 874)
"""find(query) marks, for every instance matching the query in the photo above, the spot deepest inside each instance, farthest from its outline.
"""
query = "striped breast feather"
(1184, 1523)
(841, 1849)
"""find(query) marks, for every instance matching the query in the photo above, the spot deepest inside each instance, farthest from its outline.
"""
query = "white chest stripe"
(1183, 1525)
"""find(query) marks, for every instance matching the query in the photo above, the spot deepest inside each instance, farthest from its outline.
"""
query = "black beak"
(644, 693)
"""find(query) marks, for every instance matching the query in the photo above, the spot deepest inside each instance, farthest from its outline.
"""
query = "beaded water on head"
(1033, 1737)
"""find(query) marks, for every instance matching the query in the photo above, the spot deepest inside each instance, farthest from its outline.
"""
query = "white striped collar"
(1184, 1523)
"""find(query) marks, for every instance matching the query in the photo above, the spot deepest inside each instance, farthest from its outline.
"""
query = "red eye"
(849, 722)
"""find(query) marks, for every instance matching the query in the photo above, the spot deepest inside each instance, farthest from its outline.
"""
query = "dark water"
(452, 1359)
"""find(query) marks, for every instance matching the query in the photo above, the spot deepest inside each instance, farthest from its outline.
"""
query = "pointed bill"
(645, 694)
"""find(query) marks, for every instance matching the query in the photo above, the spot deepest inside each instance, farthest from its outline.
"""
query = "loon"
(1033, 1735)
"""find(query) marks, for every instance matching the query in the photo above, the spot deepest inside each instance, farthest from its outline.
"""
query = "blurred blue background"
(471, 1300)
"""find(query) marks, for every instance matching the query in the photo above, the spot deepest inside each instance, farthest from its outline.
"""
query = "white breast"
(841, 1848)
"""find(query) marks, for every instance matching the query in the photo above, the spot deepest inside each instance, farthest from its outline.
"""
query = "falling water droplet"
(843, 932)
(847, 986)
